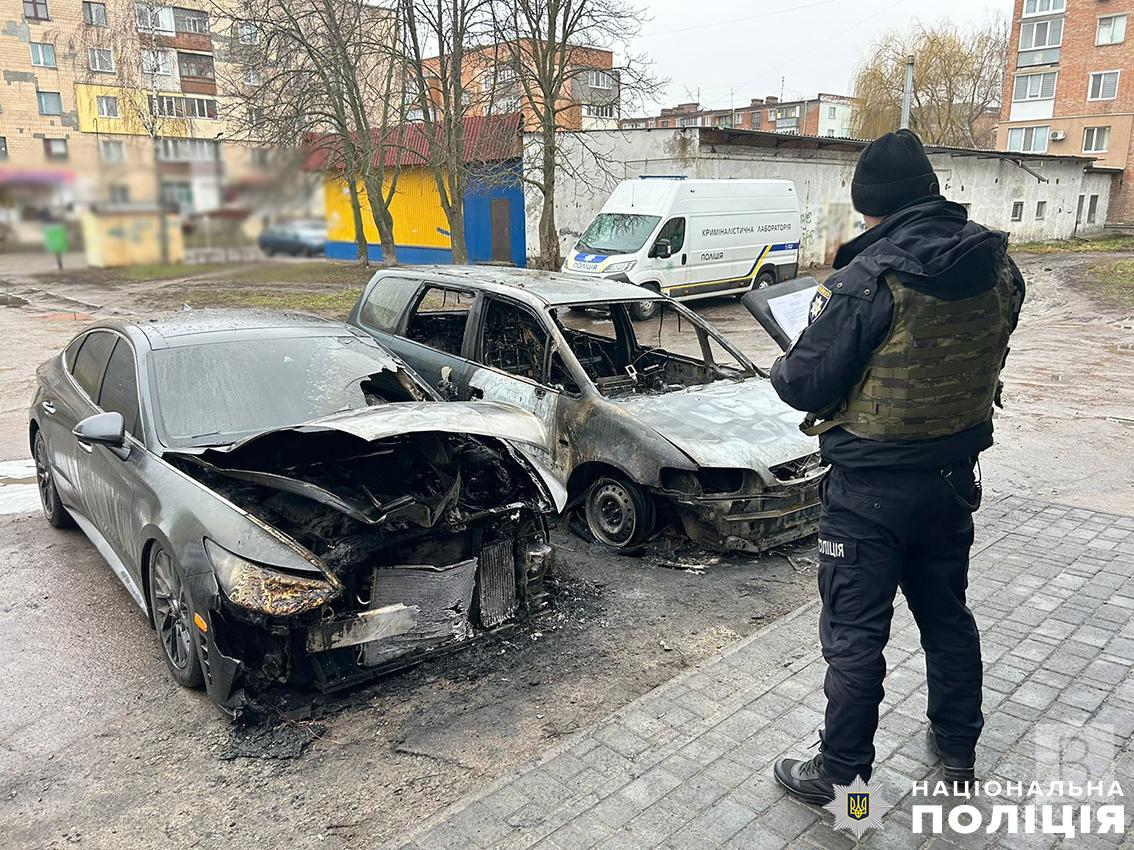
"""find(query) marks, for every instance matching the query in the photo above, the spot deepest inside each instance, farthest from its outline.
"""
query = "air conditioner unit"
(1058, 135)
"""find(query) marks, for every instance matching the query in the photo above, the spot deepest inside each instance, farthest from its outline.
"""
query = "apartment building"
(114, 103)
(1069, 89)
(827, 115)
(589, 99)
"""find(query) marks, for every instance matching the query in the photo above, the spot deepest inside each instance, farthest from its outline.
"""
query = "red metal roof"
(487, 138)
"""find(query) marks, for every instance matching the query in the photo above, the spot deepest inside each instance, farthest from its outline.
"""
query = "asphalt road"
(98, 748)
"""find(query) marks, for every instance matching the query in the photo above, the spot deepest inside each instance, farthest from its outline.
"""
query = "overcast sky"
(740, 49)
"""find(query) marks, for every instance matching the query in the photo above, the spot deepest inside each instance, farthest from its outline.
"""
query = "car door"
(675, 268)
(514, 348)
(434, 335)
(67, 403)
(114, 480)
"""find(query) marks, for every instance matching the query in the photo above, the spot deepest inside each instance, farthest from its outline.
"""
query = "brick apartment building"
(823, 115)
(1069, 89)
(589, 99)
(89, 85)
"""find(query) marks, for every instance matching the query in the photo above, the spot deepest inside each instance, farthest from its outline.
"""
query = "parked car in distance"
(690, 238)
(285, 501)
(662, 414)
(305, 238)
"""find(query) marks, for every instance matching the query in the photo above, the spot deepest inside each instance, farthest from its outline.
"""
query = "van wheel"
(641, 311)
(764, 280)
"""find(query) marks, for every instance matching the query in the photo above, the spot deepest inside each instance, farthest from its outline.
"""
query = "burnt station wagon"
(659, 419)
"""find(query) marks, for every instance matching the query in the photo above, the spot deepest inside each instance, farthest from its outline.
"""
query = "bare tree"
(323, 73)
(553, 50)
(958, 82)
(443, 88)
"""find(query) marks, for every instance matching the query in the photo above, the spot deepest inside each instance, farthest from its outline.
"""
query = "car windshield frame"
(384, 363)
(632, 244)
(749, 369)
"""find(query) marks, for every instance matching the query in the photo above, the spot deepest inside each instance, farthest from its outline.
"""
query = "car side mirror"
(103, 429)
(663, 249)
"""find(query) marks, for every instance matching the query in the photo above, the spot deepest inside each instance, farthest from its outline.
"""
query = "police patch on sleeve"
(822, 296)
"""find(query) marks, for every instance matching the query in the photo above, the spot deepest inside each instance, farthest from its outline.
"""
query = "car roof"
(533, 286)
(195, 327)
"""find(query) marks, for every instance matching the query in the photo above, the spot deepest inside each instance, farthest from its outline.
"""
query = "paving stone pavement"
(687, 765)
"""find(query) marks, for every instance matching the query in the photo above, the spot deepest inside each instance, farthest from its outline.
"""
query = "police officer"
(898, 370)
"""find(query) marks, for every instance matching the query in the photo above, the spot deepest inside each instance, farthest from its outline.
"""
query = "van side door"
(673, 271)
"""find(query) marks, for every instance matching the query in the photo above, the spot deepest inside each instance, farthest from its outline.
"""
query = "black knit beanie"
(892, 172)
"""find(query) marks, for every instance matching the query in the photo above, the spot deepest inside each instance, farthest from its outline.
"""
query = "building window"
(830, 131)
(111, 150)
(101, 59)
(252, 77)
(166, 106)
(1092, 209)
(1038, 34)
(832, 112)
(94, 14)
(154, 18)
(247, 33)
(1104, 86)
(119, 194)
(1043, 7)
(156, 62)
(50, 103)
(1017, 211)
(200, 107)
(597, 79)
(1096, 139)
(598, 110)
(107, 106)
(1028, 139)
(42, 54)
(1034, 86)
(36, 10)
(1041, 210)
(191, 20)
(56, 149)
(198, 65)
(260, 157)
(188, 150)
(3, 147)
(177, 194)
(755, 120)
(1112, 30)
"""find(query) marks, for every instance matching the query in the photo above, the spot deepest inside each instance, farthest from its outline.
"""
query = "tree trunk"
(549, 255)
(361, 252)
(382, 221)
(457, 232)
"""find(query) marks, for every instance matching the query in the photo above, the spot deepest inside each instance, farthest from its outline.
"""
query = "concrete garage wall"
(988, 183)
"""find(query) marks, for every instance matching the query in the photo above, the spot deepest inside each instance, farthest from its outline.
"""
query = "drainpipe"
(907, 93)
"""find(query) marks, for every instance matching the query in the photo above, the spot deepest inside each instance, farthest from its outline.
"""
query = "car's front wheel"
(619, 514)
(173, 619)
(53, 509)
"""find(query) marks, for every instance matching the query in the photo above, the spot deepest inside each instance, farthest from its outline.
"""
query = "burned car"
(646, 419)
(285, 500)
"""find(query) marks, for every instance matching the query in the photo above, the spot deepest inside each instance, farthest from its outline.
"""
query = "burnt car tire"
(618, 513)
(173, 620)
(53, 509)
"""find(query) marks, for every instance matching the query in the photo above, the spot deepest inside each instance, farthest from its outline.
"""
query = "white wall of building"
(835, 118)
(988, 185)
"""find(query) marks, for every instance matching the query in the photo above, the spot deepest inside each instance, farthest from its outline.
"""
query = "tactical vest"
(937, 371)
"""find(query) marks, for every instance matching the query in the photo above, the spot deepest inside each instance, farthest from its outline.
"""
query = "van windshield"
(617, 233)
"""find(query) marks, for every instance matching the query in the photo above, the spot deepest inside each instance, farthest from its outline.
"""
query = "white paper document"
(790, 311)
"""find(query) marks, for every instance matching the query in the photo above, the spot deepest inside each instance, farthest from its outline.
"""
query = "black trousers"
(880, 530)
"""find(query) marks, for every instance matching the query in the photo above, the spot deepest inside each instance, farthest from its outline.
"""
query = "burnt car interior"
(439, 318)
(612, 352)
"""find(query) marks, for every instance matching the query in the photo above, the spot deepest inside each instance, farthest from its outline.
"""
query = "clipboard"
(783, 308)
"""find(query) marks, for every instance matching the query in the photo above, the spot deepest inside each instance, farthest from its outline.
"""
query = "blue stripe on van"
(786, 246)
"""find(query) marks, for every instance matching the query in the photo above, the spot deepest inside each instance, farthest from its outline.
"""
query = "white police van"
(693, 238)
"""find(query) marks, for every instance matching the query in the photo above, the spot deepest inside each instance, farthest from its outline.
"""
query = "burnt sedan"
(652, 419)
(285, 501)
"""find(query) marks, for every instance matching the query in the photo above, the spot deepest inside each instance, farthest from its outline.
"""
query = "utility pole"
(907, 93)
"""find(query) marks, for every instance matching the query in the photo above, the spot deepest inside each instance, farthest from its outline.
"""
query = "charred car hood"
(726, 424)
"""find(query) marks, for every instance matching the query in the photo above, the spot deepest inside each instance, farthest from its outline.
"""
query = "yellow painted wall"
(132, 106)
(129, 239)
(416, 210)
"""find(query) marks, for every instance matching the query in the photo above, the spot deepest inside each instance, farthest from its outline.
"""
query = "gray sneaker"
(804, 779)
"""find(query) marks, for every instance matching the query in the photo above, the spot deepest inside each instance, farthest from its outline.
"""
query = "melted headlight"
(266, 590)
